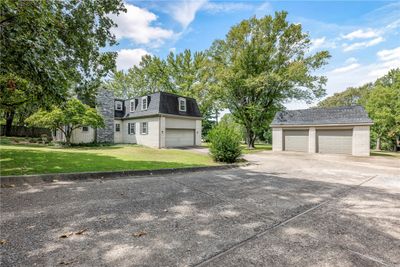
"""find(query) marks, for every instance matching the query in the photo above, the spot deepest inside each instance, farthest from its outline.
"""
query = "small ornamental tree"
(225, 143)
(67, 118)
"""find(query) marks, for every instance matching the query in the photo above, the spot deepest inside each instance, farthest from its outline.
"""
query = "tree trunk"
(250, 138)
(9, 121)
(378, 144)
(68, 139)
(68, 134)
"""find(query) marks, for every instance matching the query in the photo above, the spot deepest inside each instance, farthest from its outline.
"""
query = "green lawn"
(17, 159)
(386, 154)
(259, 147)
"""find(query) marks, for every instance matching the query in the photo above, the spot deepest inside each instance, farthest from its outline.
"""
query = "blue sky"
(363, 37)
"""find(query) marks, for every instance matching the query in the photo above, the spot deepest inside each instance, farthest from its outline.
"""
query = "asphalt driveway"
(285, 209)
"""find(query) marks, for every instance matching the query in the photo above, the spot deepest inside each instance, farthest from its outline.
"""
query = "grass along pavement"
(35, 159)
(258, 147)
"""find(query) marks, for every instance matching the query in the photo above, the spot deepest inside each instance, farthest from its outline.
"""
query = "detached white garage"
(341, 130)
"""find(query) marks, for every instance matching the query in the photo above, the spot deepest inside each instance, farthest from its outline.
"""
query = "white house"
(340, 130)
(157, 120)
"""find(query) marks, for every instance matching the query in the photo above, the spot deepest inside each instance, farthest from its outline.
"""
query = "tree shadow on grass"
(21, 162)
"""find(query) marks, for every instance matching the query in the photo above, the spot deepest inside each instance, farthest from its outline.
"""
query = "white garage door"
(296, 140)
(334, 141)
(179, 137)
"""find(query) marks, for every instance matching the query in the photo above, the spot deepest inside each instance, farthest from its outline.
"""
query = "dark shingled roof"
(320, 116)
(162, 103)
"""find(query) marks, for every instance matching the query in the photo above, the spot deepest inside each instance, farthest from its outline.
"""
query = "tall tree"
(53, 47)
(351, 96)
(263, 63)
(383, 106)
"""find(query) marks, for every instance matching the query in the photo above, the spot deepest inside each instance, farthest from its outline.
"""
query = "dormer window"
(132, 105)
(144, 103)
(118, 105)
(182, 104)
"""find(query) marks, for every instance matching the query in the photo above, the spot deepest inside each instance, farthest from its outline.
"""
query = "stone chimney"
(105, 107)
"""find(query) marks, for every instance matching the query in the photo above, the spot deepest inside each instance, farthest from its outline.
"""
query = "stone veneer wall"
(105, 106)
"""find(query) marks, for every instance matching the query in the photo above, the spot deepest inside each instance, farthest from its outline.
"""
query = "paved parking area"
(285, 209)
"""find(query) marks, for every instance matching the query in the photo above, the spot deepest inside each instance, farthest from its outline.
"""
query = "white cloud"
(135, 25)
(356, 76)
(317, 43)
(322, 43)
(389, 54)
(127, 58)
(351, 60)
(264, 9)
(359, 45)
(346, 68)
(185, 11)
(361, 34)
(213, 7)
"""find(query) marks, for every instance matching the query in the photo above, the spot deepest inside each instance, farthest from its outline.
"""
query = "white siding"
(80, 137)
(361, 141)
(177, 123)
(150, 139)
(198, 133)
(277, 139)
(118, 136)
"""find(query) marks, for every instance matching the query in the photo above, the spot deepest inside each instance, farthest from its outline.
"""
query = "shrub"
(225, 143)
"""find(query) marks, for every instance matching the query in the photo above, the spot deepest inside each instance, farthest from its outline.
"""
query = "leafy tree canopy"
(53, 49)
(263, 63)
(188, 74)
(74, 114)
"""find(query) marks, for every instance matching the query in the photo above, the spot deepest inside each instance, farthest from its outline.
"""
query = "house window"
(85, 129)
(118, 105)
(144, 128)
(132, 105)
(117, 127)
(131, 128)
(182, 104)
(144, 103)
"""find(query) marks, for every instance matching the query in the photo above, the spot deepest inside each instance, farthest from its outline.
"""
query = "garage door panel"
(179, 137)
(335, 141)
(296, 140)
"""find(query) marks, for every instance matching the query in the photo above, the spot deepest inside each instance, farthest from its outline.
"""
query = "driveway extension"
(286, 209)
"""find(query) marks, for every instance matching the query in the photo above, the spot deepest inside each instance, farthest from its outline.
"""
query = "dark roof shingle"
(321, 116)
(163, 103)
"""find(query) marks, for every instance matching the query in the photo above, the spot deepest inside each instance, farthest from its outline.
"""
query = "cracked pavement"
(286, 209)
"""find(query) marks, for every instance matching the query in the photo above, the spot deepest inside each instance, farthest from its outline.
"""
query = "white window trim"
(132, 106)
(141, 128)
(116, 105)
(119, 127)
(179, 104)
(147, 104)
(130, 124)
(87, 128)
